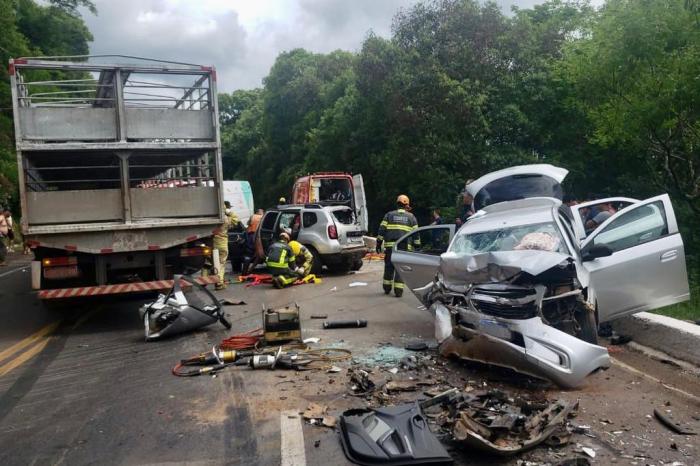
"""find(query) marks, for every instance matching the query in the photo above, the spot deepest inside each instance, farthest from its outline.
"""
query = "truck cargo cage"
(130, 141)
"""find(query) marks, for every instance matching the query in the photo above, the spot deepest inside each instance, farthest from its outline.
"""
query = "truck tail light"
(198, 251)
(332, 232)
(59, 261)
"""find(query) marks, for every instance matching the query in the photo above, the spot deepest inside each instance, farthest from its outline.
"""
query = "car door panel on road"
(418, 264)
(646, 269)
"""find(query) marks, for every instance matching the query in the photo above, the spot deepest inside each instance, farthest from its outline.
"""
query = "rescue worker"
(281, 262)
(304, 259)
(221, 243)
(395, 224)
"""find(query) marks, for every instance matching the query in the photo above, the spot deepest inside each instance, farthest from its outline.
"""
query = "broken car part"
(181, 310)
(526, 345)
(359, 323)
(397, 435)
(674, 426)
(494, 422)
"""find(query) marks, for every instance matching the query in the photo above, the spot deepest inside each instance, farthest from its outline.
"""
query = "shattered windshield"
(541, 236)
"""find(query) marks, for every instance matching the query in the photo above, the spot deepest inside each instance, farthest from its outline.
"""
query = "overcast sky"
(241, 38)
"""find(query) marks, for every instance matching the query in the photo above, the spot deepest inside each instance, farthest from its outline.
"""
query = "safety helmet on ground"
(296, 247)
(284, 236)
(403, 200)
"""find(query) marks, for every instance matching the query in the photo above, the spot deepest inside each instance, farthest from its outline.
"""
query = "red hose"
(242, 341)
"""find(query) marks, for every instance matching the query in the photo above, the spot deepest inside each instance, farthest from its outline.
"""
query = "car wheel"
(316, 264)
(357, 264)
(342, 267)
(588, 326)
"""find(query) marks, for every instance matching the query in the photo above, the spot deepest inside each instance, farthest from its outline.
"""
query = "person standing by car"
(395, 224)
(4, 229)
(221, 243)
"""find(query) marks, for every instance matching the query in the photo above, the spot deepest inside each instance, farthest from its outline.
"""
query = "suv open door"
(416, 255)
(358, 187)
(644, 267)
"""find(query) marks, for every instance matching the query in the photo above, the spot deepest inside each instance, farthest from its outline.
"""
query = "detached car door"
(646, 269)
(416, 255)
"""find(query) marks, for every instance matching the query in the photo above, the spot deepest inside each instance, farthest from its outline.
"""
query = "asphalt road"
(80, 386)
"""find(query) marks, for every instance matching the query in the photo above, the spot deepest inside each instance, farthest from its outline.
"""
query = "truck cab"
(333, 189)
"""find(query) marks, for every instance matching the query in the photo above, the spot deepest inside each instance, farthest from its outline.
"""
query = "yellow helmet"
(296, 247)
(403, 200)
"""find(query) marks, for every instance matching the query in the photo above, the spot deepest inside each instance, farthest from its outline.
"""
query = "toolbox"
(281, 325)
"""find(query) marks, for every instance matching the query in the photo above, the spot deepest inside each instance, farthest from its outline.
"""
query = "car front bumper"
(526, 345)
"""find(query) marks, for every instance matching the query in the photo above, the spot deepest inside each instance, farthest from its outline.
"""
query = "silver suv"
(332, 233)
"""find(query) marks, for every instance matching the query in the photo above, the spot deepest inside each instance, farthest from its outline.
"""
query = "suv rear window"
(345, 216)
(309, 219)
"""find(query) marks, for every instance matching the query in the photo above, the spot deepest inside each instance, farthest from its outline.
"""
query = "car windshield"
(541, 236)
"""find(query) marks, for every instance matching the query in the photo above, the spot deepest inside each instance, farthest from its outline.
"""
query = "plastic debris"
(354, 284)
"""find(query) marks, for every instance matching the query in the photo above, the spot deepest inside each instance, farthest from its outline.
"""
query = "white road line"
(292, 439)
(13, 271)
(636, 371)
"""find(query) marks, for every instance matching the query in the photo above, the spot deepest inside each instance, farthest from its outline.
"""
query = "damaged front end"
(186, 307)
(520, 309)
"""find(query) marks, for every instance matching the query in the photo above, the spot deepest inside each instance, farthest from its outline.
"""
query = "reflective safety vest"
(396, 224)
(279, 255)
(300, 250)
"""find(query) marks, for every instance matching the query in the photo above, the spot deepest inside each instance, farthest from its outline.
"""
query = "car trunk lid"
(520, 182)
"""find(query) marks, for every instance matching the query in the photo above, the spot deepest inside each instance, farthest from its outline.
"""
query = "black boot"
(398, 292)
(387, 289)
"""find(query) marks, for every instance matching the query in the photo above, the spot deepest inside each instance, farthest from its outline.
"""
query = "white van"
(240, 195)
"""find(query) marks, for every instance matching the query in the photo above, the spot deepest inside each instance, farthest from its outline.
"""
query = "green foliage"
(31, 29)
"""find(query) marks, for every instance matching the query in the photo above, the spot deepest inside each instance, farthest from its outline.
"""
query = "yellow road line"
(48, 329)
(24, 357)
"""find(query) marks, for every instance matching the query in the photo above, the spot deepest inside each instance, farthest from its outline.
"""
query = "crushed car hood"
(458, 270)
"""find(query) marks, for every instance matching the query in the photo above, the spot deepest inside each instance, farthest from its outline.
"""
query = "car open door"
(581, 212)
(358, 187)
(267, 229)
(416, 255)
(644, 267)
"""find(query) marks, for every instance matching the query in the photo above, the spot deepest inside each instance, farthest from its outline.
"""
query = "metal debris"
(492, 421)
(674, 426)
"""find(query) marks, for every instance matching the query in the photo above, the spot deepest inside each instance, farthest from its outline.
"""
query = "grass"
(689, 310)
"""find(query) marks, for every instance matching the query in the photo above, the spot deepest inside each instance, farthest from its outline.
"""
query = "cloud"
(241, 38)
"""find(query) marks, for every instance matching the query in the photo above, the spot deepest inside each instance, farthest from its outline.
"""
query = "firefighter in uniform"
(281, 262)
(304, 258)
(221, 243)
(395, 224)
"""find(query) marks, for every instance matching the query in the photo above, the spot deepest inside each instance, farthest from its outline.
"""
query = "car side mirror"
(595, 251)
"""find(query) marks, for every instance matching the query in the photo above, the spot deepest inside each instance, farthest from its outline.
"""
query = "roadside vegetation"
(459, 89)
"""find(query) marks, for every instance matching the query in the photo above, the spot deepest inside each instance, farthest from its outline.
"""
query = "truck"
(333, 188)
(120, 176)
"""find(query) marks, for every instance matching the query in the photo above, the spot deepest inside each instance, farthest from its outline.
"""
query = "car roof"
(512, 213)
